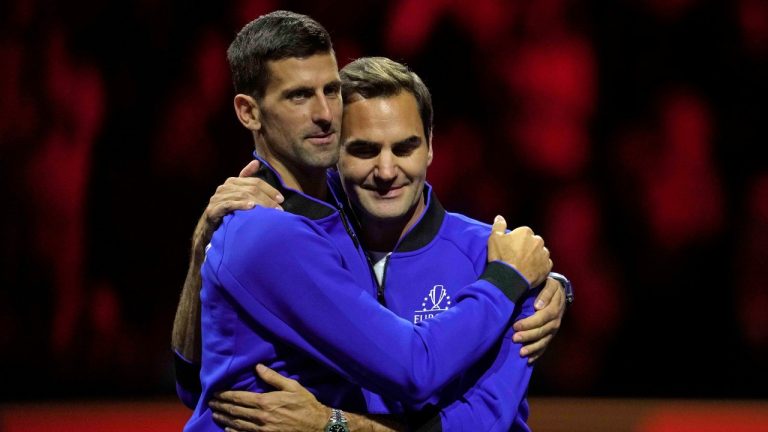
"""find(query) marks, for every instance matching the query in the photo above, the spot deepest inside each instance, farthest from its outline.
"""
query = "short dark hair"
(274, 36)
(372, 77)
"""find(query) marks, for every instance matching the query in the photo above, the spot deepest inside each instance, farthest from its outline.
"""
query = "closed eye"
(362, 149)
(406, 147)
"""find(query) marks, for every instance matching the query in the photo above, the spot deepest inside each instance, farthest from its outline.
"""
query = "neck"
(382, 235)
(307, 180)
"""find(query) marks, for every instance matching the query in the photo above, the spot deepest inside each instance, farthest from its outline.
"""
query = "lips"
(390, 192)
(321, 139)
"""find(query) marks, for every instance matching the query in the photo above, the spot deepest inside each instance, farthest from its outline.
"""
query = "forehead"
(314, 71)
(382, 119)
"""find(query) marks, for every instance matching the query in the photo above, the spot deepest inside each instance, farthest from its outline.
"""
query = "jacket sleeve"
(188, 386)
(291, 279)
(493, 402)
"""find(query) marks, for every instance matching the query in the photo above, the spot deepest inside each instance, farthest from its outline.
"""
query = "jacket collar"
(428, 225)
(421, 233)
(295, 201)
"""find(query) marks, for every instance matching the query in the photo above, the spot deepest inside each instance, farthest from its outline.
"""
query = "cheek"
(337, 109)
(284, 121)
(357, 174)
(417, 168)
(354, 171)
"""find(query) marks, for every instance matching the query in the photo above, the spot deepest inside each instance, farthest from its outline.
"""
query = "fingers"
(232, 410)
(549, 314)
(546, 252)
(251, 169)
(499, 225)
(233, 423)
(558, 301)
(244, 187)
(241, 194)
(554, 310)
(275, 379)
(216, 211)
(535, 350)
(241, 398)
(524, 230)
(545, 296)
(269, 191)
(537, 332)
(235, 415)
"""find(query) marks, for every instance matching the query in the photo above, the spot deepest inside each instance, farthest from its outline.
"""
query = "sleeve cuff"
(432, 425)
(507, 279)
(187, 374)
(426, 420)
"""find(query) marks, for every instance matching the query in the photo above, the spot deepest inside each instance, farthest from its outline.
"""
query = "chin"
(324, 160)
(387, 214)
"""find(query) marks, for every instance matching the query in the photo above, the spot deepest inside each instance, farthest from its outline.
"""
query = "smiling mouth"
(390, 192)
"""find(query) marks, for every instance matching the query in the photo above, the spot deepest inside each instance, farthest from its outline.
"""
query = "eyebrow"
(298, 89)
(303, 88)
(411, 140)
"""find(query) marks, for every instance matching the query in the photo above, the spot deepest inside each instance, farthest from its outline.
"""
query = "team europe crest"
(435, 302)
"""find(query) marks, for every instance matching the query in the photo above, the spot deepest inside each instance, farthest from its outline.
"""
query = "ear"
(429, 150)
(247, 111)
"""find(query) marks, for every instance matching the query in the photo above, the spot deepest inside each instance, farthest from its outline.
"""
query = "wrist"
(337, 421)
(507, 278)
(322, 418)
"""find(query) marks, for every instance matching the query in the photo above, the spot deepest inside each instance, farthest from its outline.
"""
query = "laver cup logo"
(435, 302)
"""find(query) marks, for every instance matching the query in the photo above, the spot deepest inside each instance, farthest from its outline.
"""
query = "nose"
(386, 167)
(321, 112)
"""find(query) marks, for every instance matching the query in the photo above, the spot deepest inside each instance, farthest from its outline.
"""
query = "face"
(300, 112)
(384, 156)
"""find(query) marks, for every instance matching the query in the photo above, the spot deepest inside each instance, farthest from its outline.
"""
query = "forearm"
(373, 423)
(185, 339)
(493, 400)
(400, 358)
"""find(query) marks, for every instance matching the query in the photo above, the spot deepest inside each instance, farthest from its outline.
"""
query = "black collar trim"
(295, 201)
(427, 227)
(421, 233)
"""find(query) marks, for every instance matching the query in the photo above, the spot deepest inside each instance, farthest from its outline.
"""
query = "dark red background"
(629, 133)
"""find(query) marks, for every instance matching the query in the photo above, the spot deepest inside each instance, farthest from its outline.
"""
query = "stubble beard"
(317, 158)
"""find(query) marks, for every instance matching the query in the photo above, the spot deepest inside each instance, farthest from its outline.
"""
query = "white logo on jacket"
(435, 302)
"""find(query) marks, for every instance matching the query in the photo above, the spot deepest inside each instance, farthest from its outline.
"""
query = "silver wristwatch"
(566, 286)
(337, 422)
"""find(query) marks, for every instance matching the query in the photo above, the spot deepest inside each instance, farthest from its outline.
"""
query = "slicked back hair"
(274, 36)
(372, 77)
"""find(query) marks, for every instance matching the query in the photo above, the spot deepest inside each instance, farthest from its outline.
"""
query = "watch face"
(337, 428)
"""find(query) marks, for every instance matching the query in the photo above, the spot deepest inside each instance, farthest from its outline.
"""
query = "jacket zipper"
(353, 236)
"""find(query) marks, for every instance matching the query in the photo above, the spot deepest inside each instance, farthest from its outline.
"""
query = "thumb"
(275, 379)
(250, 169)
(499, 225)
